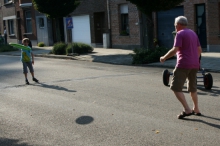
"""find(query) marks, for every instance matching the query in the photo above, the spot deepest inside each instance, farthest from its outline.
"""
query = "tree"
(147, 7)
(55, 8)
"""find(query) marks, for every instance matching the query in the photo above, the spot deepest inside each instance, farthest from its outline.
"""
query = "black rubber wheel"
(208, 81)
(166, 77)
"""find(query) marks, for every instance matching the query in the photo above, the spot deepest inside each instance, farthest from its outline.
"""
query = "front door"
(201, 25)
(42, 35)
(99, 25)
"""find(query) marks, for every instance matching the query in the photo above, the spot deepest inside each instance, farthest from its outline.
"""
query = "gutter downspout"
(109, 23)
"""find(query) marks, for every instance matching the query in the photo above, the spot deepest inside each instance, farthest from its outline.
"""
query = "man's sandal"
(183, 114)
(197, 114)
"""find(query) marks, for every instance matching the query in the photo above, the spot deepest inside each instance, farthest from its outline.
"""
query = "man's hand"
(162, 59)
(33, 62)
(169, 54)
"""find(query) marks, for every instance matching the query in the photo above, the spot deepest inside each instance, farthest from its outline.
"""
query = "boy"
(27, 61)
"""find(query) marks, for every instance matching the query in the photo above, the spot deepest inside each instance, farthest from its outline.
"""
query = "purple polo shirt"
(188, 43)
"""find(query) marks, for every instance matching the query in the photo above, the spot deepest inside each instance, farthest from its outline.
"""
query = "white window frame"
(11, 27)
(27, 19)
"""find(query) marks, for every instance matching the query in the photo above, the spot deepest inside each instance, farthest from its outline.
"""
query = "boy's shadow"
(53, 87)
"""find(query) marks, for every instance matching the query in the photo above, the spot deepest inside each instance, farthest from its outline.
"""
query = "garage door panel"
(165, 25)
(81, 31)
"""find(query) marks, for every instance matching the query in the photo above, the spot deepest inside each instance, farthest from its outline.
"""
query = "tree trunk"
(58, 36)
(150, 31)
(56, 30)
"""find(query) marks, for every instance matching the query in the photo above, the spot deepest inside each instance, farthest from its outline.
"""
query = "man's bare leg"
(180, 96)
(195, 102)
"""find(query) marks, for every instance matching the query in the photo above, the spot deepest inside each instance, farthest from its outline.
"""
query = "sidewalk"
(210, 60)
(112, 56)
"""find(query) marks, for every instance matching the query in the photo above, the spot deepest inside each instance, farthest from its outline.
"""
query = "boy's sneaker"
(34, 79)
(27, 82)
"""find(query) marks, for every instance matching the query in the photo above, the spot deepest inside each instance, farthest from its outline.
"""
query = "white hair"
(182, 20)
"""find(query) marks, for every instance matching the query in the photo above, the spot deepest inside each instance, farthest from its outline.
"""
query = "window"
(124, 19)
(41, 22)
(28, 22)
(4, 22)
(11, 27)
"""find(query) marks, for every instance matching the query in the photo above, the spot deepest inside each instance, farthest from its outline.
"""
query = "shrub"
(59, 48)
(41, 44)
(7, 48)
(79, 48)
(145, 56)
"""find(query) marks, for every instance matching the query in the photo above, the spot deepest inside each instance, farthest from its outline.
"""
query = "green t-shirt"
(26, 55)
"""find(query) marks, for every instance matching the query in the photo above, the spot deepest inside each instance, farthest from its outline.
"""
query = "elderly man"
(187, 48)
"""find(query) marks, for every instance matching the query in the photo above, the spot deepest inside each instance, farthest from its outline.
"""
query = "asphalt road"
(80, 103)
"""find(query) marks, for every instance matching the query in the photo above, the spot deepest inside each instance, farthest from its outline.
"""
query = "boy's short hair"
(25, 40)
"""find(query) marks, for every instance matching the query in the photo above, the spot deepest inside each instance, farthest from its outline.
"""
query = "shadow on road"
(207, 123)
(121, 59)
(53, 87)
(213, 92)
(12, 142)
(83, 120)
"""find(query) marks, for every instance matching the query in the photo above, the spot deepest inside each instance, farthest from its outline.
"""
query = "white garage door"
(81, 30)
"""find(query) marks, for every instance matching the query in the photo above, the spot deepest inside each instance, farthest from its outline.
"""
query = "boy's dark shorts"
(27, 65)
(179, 77)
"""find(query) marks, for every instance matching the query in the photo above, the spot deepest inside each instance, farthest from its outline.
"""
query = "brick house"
(90, 21)
(8, 19)
(125, 24)
(26, 20)
(20, 17)
(204, 18)
(128, 26)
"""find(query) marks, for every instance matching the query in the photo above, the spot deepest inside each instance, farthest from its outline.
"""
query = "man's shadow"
(207, 123)
(55, 87)
(215, 92)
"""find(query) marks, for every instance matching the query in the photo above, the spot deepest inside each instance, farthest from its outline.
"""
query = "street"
(79, 103)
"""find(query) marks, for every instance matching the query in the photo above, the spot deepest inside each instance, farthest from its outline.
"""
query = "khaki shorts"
(27, 65)
(179, 77)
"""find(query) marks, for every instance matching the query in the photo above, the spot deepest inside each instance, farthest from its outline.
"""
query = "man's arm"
(169, 54)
